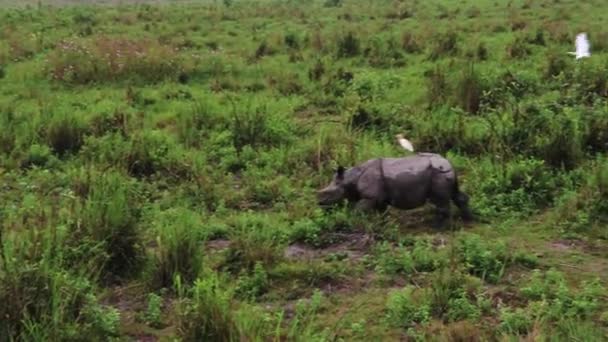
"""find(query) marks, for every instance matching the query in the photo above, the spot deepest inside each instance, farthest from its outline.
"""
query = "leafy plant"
(407, 307)
(154, 310)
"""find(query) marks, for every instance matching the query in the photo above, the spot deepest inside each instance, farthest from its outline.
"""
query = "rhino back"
(408, 180)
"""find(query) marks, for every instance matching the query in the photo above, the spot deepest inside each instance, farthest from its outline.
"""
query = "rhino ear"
(340, 172)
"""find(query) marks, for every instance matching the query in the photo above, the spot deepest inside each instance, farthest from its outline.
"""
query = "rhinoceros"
(404, 183)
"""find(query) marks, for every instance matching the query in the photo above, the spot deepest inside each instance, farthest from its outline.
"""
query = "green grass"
(159, 161)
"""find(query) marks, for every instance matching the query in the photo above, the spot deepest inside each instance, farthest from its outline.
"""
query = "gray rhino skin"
(403, 183)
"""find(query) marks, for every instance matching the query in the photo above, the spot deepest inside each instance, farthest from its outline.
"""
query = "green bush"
(555, 300)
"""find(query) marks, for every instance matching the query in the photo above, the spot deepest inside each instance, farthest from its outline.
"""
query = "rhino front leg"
(367, 205)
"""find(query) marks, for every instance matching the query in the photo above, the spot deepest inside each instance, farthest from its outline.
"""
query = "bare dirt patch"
(218, 244)
(349, 246)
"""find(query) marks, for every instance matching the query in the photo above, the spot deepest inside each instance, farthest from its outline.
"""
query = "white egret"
(582, 46)
(406, 144)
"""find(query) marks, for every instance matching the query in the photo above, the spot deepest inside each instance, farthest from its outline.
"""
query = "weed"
(153, 312)
(515, 321)
(470, 89)
(410, 43)
(253, 286)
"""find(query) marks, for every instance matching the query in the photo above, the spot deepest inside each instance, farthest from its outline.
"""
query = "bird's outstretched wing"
(406, 144)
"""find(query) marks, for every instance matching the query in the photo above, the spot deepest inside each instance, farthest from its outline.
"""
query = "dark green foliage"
(37, 155)
(410, 43)
(254, 285)
(518, 48)
(333, 3)
(445, 45)
(348, 45)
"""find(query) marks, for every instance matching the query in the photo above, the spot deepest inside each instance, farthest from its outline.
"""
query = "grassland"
(158, 168)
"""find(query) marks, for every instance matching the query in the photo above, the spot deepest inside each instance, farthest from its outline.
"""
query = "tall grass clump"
(205, 313)
(518, 48)
(445, 45)
(105, 232)
(553, 302)
(256, 125)
(255, 238)
(208, 311)
(65, 133)
(179, 247)
(470, 89)
(152, 152)
(43, 300)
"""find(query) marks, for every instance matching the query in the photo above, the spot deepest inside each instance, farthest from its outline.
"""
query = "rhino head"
(335, 192)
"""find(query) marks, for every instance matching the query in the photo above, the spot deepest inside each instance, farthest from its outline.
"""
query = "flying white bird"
(406, 144)
(582, 46)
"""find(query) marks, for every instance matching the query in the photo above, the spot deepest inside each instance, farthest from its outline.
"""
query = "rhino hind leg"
(442, 210)
(462, 202)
